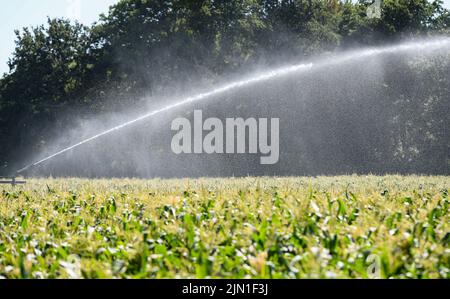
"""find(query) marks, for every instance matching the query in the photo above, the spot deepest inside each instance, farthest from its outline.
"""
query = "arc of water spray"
(188, 100)
(365, 53)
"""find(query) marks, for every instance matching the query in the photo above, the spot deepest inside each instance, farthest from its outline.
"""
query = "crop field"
(326, 227)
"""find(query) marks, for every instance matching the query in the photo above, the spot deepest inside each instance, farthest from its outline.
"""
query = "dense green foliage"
(61, 67)
(344, 227)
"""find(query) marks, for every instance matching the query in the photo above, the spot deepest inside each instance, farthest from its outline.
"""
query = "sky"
(25, 13)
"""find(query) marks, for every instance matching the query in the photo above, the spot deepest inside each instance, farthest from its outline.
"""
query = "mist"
(354, 111)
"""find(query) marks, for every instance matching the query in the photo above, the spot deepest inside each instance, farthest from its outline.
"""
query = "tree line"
(140, 45)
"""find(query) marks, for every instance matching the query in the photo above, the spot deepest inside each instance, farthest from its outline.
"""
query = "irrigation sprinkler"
(11, 181)
(258, 78)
